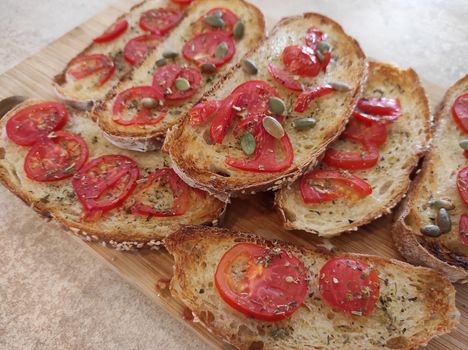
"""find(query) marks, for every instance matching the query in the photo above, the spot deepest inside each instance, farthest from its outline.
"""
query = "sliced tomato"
(320, 186)
(463, 229)
(271, 155)
(381, 109)
(30, 124)
(104, 183)
(202, 111)
(158, 182)
(362, 132)
(250, 97)
(350, 160)
(137, 48)
(55, 158)
(229, 18)
(310, 94)
(460, 111)
(284, 78)
(202, 48)
(301, 60)
(349, 285)
(182, 2)
(266, 284)
(85, 66)
(164, 79)
(113, 32)
(160, 21)
(128, 109)
(462, 184)
(313, 37)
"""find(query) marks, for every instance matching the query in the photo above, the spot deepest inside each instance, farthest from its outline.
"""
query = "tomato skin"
(463, 229)
(301, 60)
(306, 97)
(462, 184)
(113, 33)
(460, 112)
(202, 48)
(353, 160)
(160, 21)
(88, 65)
(33, 123)
(354, 185)
(375, 133)
(378, 110)
(283, 78)
(137, 48)
(202, 111)
(349, 285)
(55, 158)
(230, 19)
(164, 80)
(273, 287)
(182, 2)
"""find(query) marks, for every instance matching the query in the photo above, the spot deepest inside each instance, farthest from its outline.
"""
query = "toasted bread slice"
(203, 164)
(415, 304)
(118, 227)
(149, 137)
(437, 180)
(82, 94)
(408, 138)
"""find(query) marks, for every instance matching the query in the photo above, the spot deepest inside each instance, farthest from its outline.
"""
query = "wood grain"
(256, 214)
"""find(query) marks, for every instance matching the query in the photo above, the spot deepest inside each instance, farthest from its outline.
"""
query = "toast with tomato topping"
(52, 180)
(210, 40)
(431, 227)
(412, 304)
(343, 193)
(244, 136)
(112, 54)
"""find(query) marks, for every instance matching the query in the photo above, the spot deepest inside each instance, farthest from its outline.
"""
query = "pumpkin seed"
(248, 143)
(214, 21)
(221, 50)
(249, 67)
(208, 68)
(323, 46)
(218, 14)
(464, 144)
(443, 221)
(276, 105)
(161, 62)
(170, 54)
(431, 230)
(441, 203)
(239, 30)
(320, 56)
(340, 86)
(273, 127)
(148, 102)
(182, 84)
(304, 123)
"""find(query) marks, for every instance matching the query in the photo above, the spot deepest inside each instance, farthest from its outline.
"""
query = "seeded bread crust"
(149, 137)
(202, 165)
(408, 139)
(119, 228)
(416, 304)
(436, 180)
(83, 97)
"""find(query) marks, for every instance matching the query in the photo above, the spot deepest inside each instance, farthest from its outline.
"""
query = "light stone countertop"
(56, 295)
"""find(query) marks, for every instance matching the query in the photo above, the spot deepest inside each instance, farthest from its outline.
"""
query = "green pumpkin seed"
(320, 56)
(239, 30)
(170, 54)
(304, 123)
(218, 14)
(182, 84)
(464, 144)
(161, 62)
(323, 46)
(214, 21)
(441, 203)
(443, 221)
(248, 143)
(249, 67)
(273, 127)
(208, 68)
(221, 50)
(340, 86)
(148, 102)
(276, 105)
(431, 230)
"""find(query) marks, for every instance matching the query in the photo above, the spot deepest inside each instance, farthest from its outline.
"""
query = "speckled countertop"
(56, 295)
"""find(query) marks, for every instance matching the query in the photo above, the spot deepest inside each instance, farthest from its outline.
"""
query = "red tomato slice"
(362, 132)
(271, 155)
(89, 65)
(251, 97)
(164, 80)
(137, 48)
(306, 97)
(230, 19)
(462, 184)
(30, 124)
(146, 194)
(104, 183)
(460, 111)
(266, 284)
(113, 32)
(284, 78)
(301, 60)
(349, 285)
(160, 21)
(320, 186)
(56, 158)
(352, 160)
(182, 2)
(382, 109)
(463, 229)
(202, 48)
(128, 110)
(202, 111)
(313, 37)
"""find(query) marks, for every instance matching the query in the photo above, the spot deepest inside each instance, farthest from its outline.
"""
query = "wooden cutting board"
(144, 269)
